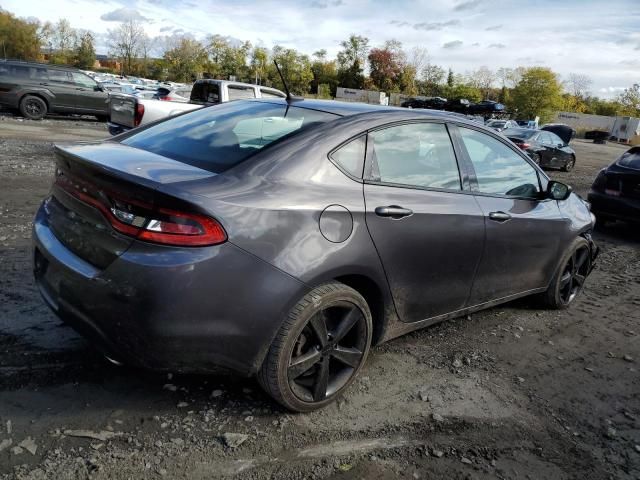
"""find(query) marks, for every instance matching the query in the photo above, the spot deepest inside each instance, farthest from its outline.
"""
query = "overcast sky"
(598, 38)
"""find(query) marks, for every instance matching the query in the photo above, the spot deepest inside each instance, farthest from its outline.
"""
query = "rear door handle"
(393, 211)
(499, 216)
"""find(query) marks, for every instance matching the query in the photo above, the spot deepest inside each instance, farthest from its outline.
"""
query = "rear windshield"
(497, 123)
(218, 138)
(519, 133)
(631, 159)
(205, 92)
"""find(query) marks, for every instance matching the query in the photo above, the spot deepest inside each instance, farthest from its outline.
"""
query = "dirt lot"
(514, 392)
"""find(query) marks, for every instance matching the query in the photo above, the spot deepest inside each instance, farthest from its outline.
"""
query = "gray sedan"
(283, 238)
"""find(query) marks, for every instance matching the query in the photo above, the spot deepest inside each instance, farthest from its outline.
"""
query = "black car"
(434, 103)
(545, 148)
(283, 238)
(486, 107)
(36, 89)
(565, 132)
(615, 193)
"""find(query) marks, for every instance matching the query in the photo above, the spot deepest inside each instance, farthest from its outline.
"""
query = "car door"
(523, 229)
(560, 153)
(61, 85)
(88, 98)
(425, 223)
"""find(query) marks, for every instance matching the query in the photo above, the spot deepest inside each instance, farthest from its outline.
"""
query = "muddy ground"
(511, 393)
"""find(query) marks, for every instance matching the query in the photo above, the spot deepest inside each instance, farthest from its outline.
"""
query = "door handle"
(499, 216)
(393, 211)
(79, 88)
(45, 84)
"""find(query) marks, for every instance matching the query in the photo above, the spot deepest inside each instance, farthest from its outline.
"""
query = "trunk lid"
(123, 110)
(93, 179)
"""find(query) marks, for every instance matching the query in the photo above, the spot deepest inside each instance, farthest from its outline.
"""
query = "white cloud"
(122, 15)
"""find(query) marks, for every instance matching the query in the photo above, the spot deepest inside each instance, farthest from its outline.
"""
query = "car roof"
(39, 64)
(355, 108)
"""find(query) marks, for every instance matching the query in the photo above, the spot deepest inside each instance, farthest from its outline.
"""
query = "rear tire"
(33, 108)
(319, 349)
(568, 281)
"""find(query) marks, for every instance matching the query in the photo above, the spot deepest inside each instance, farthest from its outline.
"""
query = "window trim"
(543, 179)
(462, 172)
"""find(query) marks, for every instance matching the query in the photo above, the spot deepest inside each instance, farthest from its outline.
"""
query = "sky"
(600, 39)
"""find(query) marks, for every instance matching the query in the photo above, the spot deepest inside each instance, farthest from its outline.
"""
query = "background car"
(181, 94)
(565, 132)
(486, 107)
(36, 89)
(545, 148)
(500, 125)
(615, 193)
(258, 236)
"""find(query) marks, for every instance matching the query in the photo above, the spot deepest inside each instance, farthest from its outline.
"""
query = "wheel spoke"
(566, 278)
(348, 355)
(319, 326)
(573, 260)
(303, 363)
(322, 381)
(579, 279)
(347, 323)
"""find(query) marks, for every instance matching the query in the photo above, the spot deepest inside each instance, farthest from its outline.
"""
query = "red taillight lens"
(170, 227)
(137, 118)
(523, 146)
(163, 226)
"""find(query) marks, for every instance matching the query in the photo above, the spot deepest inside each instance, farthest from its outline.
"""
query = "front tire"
(568, 281)
(570, 164)
(319, 350)
(33, 108)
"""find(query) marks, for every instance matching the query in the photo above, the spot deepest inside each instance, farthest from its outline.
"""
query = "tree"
(432, 77)
(227, 59)
(482, 79)
(186, 60)
(295, 68)
(259, 63)
(538, 93)
(85, 54)
(351, 61)
(18, 38)
(630, 101)
(125, 42)
(384, 68)
(418, 59)
(578, 84)
(450, 79)
(325, 75)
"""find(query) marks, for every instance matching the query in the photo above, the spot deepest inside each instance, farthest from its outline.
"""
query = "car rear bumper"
(622, 208)
(179, 309)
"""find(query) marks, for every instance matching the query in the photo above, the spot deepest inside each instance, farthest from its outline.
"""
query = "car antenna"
(290, 98)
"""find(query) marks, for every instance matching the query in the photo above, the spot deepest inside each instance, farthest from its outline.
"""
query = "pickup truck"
(128, 111)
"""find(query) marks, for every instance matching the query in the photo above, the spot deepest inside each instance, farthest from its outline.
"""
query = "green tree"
(85, 53)
(351, 61)
(295, 68)
(450, 79)
(325, 73)
(185, 62)
(18, 38)
(630, 101)
(227, 60)
(538, 93)
(259, 63)
(432, 77)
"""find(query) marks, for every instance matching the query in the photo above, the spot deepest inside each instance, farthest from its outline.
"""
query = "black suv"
(37, 89)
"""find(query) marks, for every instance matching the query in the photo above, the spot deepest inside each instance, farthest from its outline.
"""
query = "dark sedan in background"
(545, 148)
(283, 238)
(615, 193)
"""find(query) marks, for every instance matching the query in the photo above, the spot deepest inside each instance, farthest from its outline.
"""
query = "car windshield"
(518, 133)
(497, 123)
(218, 138)
(631, 159)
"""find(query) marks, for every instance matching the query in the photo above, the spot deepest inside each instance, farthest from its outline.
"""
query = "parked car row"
(485, 107)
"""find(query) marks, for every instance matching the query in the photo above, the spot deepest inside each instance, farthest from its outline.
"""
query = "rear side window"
(269, 94)
(205, 92)
(219, 138)
(351, 156)
(418, 154)
(499, 170)
(237, 92)
(58, 76)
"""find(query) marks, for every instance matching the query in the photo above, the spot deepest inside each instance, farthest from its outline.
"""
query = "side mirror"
(558, 191)
(98, 88)
(561, 145)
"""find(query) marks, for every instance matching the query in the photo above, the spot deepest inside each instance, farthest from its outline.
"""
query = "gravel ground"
(513, 392)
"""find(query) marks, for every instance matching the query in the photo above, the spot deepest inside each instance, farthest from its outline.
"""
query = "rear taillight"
(137, 118)
(523, 146)
(160, 225)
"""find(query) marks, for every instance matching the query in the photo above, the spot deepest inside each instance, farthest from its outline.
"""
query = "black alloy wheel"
(574, 275)
(570, 164)
(32, 107)
(319, 349)
(327, 352)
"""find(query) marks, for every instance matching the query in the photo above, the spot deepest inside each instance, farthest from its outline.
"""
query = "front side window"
(417, 154)
(83, 80)
(219, 138)
(499, 170)
(351, 156)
